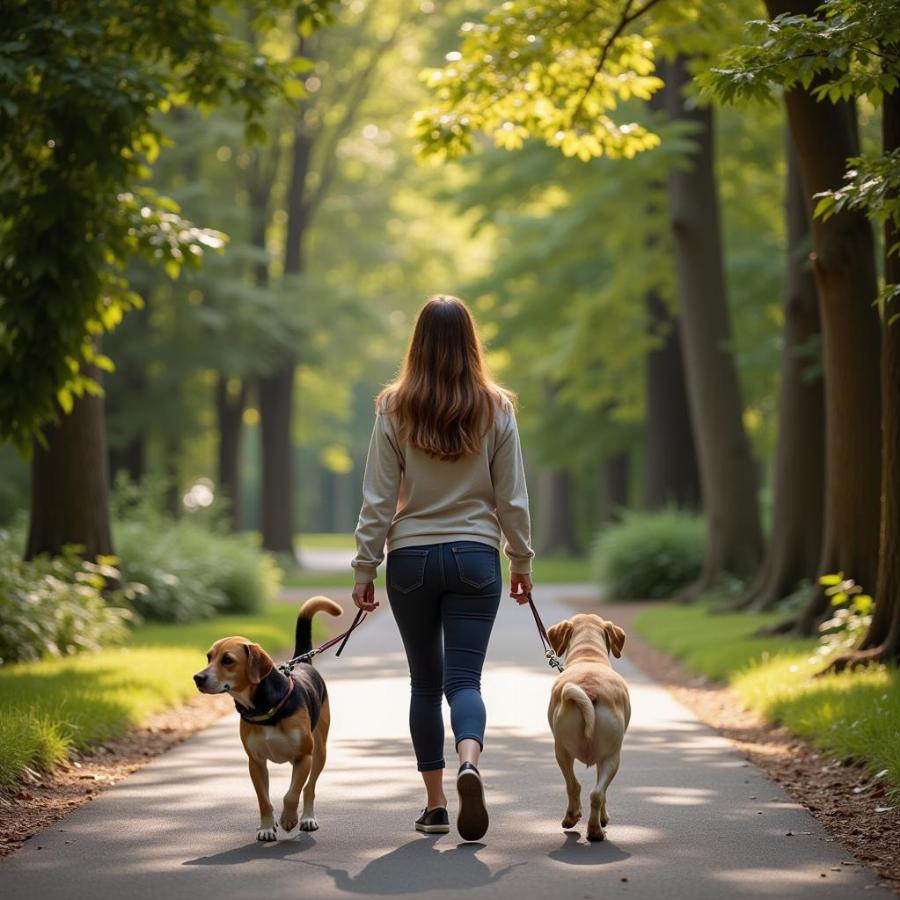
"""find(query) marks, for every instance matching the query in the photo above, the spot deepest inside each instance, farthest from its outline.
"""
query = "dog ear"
(615, 639)
(559, 635)
(259, 663)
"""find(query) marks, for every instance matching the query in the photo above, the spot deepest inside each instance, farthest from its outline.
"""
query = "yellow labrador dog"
(589, 711)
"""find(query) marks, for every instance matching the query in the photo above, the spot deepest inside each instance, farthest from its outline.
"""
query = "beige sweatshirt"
(411, 498)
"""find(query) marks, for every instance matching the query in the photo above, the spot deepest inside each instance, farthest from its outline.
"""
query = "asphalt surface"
(690, 818)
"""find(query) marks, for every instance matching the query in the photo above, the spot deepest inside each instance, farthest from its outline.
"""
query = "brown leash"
(552, 659)
(342, 638)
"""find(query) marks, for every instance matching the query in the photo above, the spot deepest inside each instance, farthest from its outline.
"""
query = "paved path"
(690, 817)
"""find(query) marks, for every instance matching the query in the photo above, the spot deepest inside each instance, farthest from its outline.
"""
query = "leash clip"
(553, 660)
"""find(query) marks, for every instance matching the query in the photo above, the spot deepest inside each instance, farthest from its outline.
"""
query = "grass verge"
(547, 569)
(50, 708)
(854, 716)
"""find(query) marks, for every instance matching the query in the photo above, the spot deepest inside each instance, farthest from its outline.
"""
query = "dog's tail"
(572, 693)
(303, 634)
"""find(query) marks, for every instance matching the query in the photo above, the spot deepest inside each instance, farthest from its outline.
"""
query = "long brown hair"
(444, 398)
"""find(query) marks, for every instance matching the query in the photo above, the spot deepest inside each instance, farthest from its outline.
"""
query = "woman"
(443, 478)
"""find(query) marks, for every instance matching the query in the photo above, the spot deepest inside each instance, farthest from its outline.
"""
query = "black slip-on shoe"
(434, 821)
(472, 821)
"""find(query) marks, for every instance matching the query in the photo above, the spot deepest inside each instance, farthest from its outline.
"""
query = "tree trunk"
(616, 479)
(124, 389)
(799, 481)
(881, 642)
(727, 473)
(171, 456)
(276, 403)
(670, 462)
(276, 390)
(69, 483)
(825, 135)
(231, 398)
(131, 459)
(345, 502)
(556, 519)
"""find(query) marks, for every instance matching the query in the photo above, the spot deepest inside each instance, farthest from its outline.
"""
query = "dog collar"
(270, 717)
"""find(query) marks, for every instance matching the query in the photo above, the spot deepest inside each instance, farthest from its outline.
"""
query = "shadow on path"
(417, 867)
(256, 851)
(574, 852)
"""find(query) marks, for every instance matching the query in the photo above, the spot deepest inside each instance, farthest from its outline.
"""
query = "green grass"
(326, 541)
(561, 570)
(716, 645)
(547, 569)
(854, 716)
(52, 707)
(301, 578)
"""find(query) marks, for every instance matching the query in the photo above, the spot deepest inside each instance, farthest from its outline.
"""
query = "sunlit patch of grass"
(51, 707)
(854, 716)
(714, 644)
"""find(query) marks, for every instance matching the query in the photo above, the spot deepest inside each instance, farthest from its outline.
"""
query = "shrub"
(56, 607)
(191, 569)
(649, 555)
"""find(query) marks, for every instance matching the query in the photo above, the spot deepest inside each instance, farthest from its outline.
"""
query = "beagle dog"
(589, 711)
(283, 719)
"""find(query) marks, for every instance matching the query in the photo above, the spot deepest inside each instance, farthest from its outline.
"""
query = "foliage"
(649, 555)
(52, 707)
(57, 607)
(559, 72)
(192, 569)
(543, 68)
(850, 621)
(854, 716)
(848, 49)
(82, 88)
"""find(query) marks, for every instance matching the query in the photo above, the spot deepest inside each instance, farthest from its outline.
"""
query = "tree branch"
(359, 91)
(626, 19)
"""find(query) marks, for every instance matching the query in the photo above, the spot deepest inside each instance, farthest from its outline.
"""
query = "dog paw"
(571, 819)
(288, 820)
(595, 833)
(308, 823)
(266, 834)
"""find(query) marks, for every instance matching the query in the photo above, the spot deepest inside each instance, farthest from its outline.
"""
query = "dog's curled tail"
(303, 634)
(572, 693)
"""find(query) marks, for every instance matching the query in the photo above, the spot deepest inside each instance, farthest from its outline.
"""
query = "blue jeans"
(444, 598)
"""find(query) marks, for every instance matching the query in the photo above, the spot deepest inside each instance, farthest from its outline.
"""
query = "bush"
(191, 569)
(56, 607)
(649, 555)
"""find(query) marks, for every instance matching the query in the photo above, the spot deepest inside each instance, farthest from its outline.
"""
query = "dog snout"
(200, 679)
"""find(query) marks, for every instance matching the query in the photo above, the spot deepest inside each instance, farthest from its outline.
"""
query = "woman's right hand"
(520, 588)
(364, 597)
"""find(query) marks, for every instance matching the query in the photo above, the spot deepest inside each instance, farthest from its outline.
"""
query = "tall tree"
(794, 545)
(727, 470)
(498, 82)
(669, 460)
(795, 51)
(315, 135)
(79, 124)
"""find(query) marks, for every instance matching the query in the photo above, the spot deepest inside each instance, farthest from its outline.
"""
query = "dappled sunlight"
(687, 813)
(674, 796)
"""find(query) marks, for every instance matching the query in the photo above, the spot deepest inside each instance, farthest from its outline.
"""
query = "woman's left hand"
(364, 596)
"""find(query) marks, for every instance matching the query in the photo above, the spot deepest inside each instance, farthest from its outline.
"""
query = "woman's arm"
(381, 485)
(511, 498)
